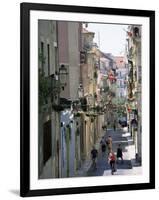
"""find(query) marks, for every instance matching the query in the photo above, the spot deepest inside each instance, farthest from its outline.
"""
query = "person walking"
(94, 154)
(119, 153)
(103, 145)
(112, 162)
(114, 126)
(109, 143)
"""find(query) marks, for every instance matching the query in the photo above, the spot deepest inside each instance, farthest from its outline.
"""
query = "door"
(46, 141)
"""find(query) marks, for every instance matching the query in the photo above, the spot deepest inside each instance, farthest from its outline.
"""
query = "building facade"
(69, 42)
(48, 128)
(134, 86)
(121, 76)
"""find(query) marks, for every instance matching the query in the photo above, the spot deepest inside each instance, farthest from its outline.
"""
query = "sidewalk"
(131, 149)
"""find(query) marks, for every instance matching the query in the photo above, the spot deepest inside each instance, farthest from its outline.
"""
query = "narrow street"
(92, 86)
(125, 168)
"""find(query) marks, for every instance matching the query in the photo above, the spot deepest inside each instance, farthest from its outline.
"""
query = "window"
(48, 58)
(82, 57)
(42, 57)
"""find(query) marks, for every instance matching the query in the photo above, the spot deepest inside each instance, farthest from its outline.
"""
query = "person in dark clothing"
(103, 144)
(94, 154)
(114, 126)
(119, 153)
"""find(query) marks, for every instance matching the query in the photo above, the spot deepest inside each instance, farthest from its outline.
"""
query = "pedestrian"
(103, 145)
(112, 162)
(109, 143)
(94, 154)
(114, 126)
(119, 153)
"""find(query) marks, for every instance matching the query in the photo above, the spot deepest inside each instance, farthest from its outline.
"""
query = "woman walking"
(112, 162)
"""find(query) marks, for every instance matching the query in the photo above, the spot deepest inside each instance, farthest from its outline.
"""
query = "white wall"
(9, 100)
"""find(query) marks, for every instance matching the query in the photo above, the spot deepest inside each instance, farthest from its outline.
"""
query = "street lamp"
(63, 75)
(77, 103)
(58, 82)
(80, 91)
(59, 79)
